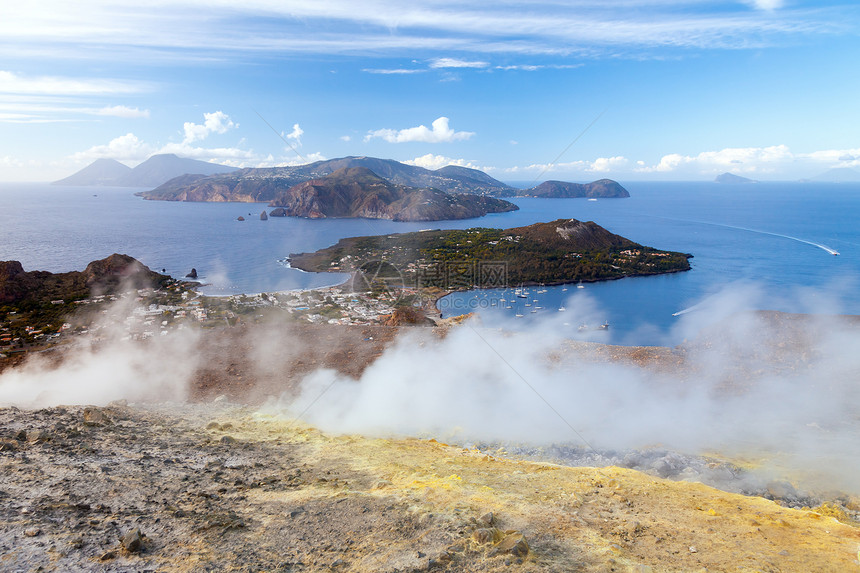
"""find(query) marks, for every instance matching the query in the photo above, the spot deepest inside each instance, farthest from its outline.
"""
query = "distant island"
(733, 179)
(838, 175)
(359, 192)
(601, 189)
(561, 251)
(264, 184)
(153, 172)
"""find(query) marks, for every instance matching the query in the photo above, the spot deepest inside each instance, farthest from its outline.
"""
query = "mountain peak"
(153, 172)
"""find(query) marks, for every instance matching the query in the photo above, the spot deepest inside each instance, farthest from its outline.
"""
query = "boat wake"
(829, 250)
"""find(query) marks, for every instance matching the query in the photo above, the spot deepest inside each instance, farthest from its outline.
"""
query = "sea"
(793, 247)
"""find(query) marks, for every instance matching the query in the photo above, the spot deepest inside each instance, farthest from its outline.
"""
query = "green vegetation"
(549, 253)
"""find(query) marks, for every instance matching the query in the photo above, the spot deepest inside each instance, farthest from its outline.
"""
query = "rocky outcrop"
(100, 277)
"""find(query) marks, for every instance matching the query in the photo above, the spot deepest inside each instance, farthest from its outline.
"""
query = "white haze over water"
(748, 390)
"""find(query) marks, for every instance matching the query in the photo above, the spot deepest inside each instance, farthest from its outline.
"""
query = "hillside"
(557, 252)
(603, 188)
(359, 192)
(153, 172)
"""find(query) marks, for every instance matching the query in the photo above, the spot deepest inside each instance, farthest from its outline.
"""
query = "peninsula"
(561, 251)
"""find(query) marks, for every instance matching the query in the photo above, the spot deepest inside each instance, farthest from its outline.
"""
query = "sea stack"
(192, 274)
(263, 216)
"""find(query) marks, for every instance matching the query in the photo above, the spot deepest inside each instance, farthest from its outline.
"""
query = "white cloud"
(296, 134)
(768, 5)
(395, 71)
(12, 83)
(216, 122)
(607, 164)
(736, 159)
(127, 147)
(122, 111)
(599, 165)
(440, 133)
(439, 63)
(345, 138)
(535, 67)
(54, 29)
(430, 161)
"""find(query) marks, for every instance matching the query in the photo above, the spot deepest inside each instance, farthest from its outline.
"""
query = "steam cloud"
(748, 389)
(785, 391)
(112, 368)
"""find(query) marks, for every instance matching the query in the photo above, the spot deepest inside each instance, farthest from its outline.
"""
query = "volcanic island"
(557, 252)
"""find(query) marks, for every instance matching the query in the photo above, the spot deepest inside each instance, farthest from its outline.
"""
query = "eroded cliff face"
(218, 486)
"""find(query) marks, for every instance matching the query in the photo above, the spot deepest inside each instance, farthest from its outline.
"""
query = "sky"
(527, 91)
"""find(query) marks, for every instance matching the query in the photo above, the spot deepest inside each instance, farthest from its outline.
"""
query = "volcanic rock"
(192, 274)
(95, 417)
(514, 544)
(132, 541)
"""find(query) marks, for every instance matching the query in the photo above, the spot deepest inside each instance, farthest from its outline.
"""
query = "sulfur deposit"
(215, 487)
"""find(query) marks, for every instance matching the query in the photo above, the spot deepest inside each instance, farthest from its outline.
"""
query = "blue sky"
(529, 90)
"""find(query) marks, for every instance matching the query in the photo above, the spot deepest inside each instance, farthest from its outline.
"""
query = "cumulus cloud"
(606, 164)
(127, 146)
(123, 111)
(599, 165)
(430, 161)
(440, 133)
(345, 138)
(440, 63)
(296, 134)
(745, 159)
(216, 122)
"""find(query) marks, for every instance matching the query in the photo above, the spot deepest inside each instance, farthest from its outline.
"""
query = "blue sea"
(773, 239)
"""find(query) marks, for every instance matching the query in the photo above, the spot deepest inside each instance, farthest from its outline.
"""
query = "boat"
(580, 285)
(518, 315)
(561, 309)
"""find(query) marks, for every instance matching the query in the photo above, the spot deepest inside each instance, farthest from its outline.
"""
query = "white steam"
(110, 366)
(785, 391)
